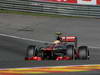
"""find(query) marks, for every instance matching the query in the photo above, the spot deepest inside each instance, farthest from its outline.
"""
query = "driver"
(58, 36)
(57, 42)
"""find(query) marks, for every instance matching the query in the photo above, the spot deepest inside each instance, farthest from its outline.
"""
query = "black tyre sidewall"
(70, 51)
(83, 52)
(31, 51)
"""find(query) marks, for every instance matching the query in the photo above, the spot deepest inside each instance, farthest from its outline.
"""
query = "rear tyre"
(70, 52)
(83, 52)
(31, 51)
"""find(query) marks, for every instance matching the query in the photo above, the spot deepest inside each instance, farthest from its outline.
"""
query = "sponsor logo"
(87, 2)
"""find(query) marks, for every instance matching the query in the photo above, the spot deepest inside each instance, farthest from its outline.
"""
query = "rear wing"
(70, 39)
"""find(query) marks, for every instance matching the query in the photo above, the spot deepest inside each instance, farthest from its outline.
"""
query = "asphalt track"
(12, 50)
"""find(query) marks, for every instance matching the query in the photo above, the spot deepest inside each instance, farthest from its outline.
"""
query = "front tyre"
(31, 51)
(70, 52)
(83, 52)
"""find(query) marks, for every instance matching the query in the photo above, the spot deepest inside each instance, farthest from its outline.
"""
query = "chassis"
(62, 51)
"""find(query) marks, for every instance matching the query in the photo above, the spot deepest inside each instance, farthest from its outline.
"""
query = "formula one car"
(63, 48)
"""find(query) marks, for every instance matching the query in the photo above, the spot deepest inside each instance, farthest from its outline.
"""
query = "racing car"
(63, 48)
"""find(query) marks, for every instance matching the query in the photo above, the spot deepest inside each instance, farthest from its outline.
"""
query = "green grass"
(39, 14)
(32, 13)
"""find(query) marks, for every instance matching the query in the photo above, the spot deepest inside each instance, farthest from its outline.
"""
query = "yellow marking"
(22, 72)
(44, 70)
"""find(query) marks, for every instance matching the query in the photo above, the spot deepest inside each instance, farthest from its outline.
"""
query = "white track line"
(37, 40)
(24, 38)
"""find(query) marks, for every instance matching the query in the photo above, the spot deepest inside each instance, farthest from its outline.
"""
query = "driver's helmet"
(56, 42)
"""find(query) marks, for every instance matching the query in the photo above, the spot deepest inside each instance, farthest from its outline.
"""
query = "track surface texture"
(12, 50)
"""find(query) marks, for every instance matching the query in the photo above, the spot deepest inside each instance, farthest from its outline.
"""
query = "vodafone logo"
(87, 2)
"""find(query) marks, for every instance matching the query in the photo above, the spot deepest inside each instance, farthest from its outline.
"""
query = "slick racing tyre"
(31, 51)
(70, 51)
(83, 52)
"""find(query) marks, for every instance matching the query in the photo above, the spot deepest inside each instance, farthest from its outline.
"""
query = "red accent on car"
(67, 58)
(59, 58)
(34, 58)
(63, 58)
(48, 49)
(77, 54)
